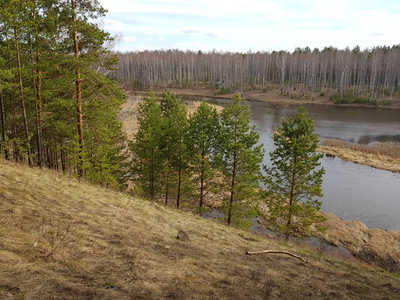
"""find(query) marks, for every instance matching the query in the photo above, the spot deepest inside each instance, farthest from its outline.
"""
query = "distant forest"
(368, 74)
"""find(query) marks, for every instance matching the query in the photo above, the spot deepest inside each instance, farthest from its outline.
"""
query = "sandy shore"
(274, 96)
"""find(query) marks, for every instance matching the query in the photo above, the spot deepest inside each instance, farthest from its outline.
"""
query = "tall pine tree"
(240, 156)
(147, 163)
(202, 140)
(173, 145)
(294, 181)
(53, 88)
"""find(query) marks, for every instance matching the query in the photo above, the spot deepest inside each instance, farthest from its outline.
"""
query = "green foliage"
(224, 90)
(43, 31)
(348, 98)
(174, 150)
(294, 181)
(147, 160)
(239, 158)
(201, 140)
(384, 103)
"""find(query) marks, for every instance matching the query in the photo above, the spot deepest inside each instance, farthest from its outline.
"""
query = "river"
(351, 191)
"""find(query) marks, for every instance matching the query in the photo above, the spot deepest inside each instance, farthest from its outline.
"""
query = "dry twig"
(275, 252)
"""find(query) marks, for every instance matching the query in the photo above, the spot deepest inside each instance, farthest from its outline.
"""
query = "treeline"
(370, 73)
(58, 109)
(210, 159)
(184, 159)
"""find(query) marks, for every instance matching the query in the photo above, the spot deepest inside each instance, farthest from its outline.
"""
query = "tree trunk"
(37, 86)
(63, 158)
(178, 197)
(293, 184)
(3, 122)
(21, 90)
(14, 126)
(78, 93)
(202, 180)
(151, 175)
(39, 121)
(231, 199)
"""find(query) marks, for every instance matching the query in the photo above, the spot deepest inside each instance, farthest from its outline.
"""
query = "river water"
(351, 191)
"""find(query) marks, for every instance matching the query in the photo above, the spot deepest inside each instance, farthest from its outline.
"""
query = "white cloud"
(252, 24)
(129, 39)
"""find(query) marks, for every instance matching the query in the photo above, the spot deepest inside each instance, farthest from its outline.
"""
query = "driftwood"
(275, 252)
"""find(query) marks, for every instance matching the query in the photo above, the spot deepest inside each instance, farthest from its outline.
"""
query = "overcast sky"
(256, 25)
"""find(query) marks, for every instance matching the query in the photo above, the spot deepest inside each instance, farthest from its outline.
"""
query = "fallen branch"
(275, 252)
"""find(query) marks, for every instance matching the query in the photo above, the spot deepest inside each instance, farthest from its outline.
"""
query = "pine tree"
(202, 137)
(52, 65)
(146, 163)
(294, 181)
(174, 149)
(240, 156)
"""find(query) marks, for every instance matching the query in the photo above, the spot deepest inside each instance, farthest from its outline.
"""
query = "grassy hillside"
(60, 239)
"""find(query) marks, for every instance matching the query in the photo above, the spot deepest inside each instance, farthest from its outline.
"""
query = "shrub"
(348, 98)
(224, 90)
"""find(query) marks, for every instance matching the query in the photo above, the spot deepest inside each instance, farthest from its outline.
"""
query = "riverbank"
(375, 246)
(274, 96)
(385, 156)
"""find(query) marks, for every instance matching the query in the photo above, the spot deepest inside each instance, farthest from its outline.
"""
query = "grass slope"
(60, 239)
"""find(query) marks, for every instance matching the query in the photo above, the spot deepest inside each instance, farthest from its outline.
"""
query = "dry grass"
(386, 149)
(376, 246)
(119, 247)
(384, 156)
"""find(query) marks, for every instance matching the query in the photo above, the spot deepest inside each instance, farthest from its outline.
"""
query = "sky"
(251, 25)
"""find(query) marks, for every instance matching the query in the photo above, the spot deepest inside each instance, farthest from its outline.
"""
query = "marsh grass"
(387, 149)
(385, 156)
(126, 248)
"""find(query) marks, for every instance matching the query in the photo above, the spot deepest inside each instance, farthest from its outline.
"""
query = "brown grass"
(119, 247)
(375, 246)
(387, 149)
(384, 156)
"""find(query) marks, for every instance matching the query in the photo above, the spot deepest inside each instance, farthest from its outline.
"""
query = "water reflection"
(369, 139)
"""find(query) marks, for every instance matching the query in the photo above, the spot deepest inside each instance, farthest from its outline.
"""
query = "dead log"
(275, 252)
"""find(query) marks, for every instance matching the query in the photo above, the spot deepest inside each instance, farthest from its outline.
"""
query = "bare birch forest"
(368, 74)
